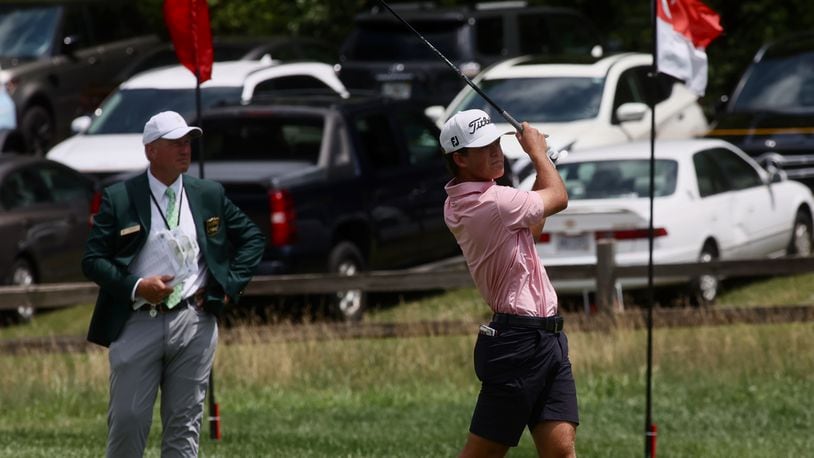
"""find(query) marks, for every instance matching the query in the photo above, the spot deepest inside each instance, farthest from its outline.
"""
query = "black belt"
(551, 323)
(155, 309)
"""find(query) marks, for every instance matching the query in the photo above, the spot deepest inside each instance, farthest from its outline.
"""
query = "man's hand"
(533, 143)
(155, 289)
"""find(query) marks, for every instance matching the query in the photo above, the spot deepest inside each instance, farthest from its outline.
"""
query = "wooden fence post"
(607, 299)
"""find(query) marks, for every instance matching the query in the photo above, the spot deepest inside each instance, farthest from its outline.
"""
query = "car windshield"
(539, 99)
(27, 32)
(278, 138)
(391, 42)
(126, 111)
(779, 83)
(615, 179)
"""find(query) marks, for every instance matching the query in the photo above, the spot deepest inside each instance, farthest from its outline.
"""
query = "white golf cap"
(468, 129)
(169, 125)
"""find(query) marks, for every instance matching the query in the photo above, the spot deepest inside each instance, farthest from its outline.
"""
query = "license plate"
(581, 242)
(397, 90)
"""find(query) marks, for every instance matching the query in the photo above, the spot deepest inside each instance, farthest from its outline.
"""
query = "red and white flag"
(188, 23)
(684, 28)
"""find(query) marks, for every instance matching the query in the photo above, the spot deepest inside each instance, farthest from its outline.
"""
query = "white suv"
(582, 103)
(110, 142)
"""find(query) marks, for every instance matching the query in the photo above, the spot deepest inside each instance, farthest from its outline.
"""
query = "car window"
(292, 83)
(28, 31)
(264, 138)
(614, 179)
(628, 89)
(376, 142)
(64, 186)
(783, 83)
(489, 36)
(540, 99)
(126, 111)
(710, 178)
(739, 174)
(390, 41)
(128, 21)
(22, 188)
(422, 140)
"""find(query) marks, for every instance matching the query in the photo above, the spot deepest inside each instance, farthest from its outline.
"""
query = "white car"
(110, 142)
(712, 201)
(581, 104)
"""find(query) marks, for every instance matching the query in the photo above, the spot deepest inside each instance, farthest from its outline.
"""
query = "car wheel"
(801, 233)
(22, 274)
(349, 305)
(704, 289)
(38, 129)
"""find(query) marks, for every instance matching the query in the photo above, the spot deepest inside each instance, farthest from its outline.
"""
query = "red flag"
(188, 23)
(684, 28)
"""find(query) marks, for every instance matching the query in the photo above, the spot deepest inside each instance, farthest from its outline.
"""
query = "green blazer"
(231, 243)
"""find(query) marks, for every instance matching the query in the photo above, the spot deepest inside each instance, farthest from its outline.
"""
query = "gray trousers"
(173, 351)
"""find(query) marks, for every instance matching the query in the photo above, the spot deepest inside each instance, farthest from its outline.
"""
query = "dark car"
(57, 59)
(338, 185)
(282, 48)
(44, 221)
(770, 114)
(383, 55)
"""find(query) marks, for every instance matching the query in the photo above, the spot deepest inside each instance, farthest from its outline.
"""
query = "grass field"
(734, 391)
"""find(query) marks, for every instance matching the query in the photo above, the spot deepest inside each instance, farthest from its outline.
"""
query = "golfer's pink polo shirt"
(491, 224)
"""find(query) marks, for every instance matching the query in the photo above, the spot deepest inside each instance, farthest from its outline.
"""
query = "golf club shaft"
(474, 86)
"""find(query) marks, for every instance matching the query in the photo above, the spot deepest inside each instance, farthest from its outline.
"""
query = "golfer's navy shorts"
(525, 379)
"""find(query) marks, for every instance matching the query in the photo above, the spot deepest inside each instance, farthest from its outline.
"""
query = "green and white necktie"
(172, 222)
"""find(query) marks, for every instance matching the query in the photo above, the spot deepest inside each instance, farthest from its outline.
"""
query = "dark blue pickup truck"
(337, 185)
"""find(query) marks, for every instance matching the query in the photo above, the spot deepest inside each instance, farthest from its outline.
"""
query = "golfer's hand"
(154, 289)
(533, 143)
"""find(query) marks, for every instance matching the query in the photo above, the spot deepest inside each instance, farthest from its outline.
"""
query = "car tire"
(37, 126)
(704, 288)
(801, 235)
(346, 259)
(22, 274)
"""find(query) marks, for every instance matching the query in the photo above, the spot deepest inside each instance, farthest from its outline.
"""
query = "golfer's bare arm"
(548, 184)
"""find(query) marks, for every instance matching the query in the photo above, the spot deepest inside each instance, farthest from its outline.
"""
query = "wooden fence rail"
(453, 276)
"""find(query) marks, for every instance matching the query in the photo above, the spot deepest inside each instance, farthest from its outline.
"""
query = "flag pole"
(649, 426)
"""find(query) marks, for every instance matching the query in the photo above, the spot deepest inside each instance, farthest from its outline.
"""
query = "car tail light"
(95, 205)
(545, 237)
(631, 234)
(281, 217)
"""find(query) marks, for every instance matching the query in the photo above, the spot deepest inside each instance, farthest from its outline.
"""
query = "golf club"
(552, 154)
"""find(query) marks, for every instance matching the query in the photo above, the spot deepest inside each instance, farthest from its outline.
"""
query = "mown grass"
(729, 391)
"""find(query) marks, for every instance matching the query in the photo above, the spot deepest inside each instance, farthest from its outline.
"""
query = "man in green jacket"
(161, 330)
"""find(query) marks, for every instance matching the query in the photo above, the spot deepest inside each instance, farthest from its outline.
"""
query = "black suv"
(383, 55)
(338, 185)
(58, 60)
(771, 112)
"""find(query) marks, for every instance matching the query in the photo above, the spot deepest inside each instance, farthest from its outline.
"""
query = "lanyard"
(180, 201)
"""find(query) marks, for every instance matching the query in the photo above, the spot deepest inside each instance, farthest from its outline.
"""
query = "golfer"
(521, 357)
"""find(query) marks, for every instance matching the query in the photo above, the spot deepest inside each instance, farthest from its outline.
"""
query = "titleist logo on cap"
(476, 124)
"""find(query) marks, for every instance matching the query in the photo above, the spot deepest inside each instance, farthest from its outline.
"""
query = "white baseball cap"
(468, 129)
(169, 125)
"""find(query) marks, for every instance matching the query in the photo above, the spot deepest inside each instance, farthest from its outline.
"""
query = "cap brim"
(487, 139)
(183, 131)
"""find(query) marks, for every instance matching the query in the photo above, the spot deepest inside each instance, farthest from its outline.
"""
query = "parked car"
(227, 48)
(44, 222)
(57, 59)
(770, 115)
(338, 185)
(382, 55)
(582, 103)
(110, 143)
(712, 201)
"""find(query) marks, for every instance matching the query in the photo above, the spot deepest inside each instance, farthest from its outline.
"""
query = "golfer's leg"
(186, 379)
(555, 439)
(478, 447)
(135, 371)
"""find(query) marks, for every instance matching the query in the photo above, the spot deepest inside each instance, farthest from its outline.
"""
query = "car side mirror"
(70, 44)
(80, 124)
(435, 112)
(632, 111)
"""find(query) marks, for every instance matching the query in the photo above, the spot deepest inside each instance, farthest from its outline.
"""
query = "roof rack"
(410, 6)
(500, 5)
